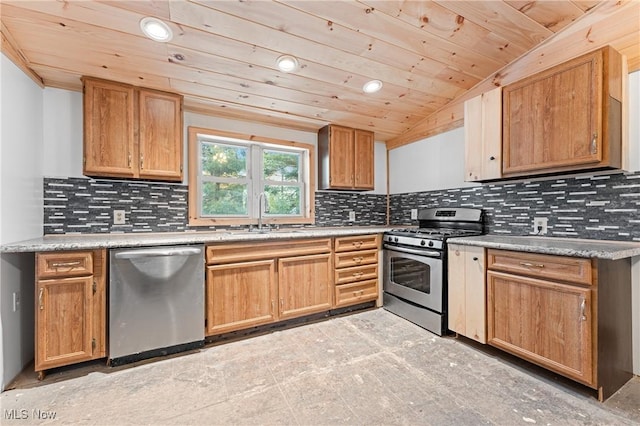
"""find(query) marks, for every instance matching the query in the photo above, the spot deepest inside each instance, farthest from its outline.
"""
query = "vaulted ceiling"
(222, 57)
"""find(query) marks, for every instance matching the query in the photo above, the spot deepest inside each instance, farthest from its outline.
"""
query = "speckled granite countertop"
(600, 249)
(94, 241)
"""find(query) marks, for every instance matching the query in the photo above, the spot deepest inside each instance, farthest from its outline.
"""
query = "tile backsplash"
(598, 207)
(82, 205)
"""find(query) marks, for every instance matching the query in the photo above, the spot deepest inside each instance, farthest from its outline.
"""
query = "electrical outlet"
(16, 301)
(119, 217)
(414, 214)
(540, 225)
(352, 216)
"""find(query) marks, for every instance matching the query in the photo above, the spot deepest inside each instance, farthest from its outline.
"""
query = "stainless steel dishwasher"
(156, 301)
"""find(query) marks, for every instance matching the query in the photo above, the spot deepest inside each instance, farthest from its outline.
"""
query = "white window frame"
(255, 182)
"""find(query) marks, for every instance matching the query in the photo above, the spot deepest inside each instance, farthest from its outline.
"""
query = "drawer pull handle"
(358, 293)
(40, 305)
(532, 265)
(65, 264)
(358, 259)
(358, 274)
(357, 244)
(583, 308)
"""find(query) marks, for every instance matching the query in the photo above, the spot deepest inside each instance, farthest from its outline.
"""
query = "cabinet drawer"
(242, 252)
(560, 268)
(64, 264)
(350, 294)
(356, 242)
(356, 273)
(355, 258)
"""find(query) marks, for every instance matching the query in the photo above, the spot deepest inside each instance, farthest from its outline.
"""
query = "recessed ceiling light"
(287, 63)
(155, 29)
(372, 86)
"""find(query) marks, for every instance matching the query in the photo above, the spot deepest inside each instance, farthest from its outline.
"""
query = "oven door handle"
(419, 252)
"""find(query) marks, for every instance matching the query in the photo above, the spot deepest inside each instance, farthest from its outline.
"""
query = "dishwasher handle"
(158, 252)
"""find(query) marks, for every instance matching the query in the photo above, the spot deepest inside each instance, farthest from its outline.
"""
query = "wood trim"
(608, 23)
(10, 48)
(249, 251)
(195, 220)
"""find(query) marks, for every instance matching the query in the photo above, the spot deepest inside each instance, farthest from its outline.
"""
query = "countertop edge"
(598, 249)
(108, 241)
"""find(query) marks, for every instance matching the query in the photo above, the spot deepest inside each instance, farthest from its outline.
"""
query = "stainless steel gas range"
(415, 264)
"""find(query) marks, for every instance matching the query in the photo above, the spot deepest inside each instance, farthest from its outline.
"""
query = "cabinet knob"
(492, 158)
(475, 258)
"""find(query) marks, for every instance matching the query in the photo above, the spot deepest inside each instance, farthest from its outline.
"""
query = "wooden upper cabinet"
(346, 158)
(568, 117)
(131, 132)
(483, 136)
(364, 177)
(108, 128)
(160, 136)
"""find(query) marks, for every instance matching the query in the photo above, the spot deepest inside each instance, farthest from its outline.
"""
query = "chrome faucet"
(261, 197)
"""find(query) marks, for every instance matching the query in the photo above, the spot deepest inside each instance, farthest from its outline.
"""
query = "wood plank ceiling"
(222, 57)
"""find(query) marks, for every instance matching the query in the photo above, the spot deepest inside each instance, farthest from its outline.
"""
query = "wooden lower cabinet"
(240, 295)
(570, 315)
(254, 284)
(545, 322)
(70, 318)
(304, 285)
(251, 284)
(356, 269)
(466, 310)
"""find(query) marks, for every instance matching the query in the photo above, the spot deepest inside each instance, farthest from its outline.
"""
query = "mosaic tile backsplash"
(602, 207)
(81, 205)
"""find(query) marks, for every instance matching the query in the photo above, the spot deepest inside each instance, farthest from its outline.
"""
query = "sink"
(265, 231)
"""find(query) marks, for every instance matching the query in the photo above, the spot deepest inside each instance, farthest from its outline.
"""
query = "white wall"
(62, 125)
(430, 164)
(21, 210)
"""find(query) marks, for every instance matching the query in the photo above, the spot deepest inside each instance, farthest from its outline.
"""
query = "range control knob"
(430, 243)
(423, 242)
(395, 240)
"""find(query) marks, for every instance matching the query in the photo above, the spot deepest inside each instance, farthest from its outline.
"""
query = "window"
(233, 176)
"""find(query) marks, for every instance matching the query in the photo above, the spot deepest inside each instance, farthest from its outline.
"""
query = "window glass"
(224, 160)
(282, 200)
(281, 166)
(229, 174)
(224, 199)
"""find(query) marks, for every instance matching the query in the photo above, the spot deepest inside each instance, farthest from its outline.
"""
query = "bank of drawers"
(356, 269)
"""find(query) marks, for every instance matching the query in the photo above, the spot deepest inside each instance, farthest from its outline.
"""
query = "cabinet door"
(160, 137)
(305, 285)
(341, 161)
(108, 129)
(364, 160)
(240, 295)
(551, 119)
(64, 322)
(547, 323)
(483, 136)
(466, 292)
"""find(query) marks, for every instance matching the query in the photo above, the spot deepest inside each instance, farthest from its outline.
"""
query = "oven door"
(414, 275)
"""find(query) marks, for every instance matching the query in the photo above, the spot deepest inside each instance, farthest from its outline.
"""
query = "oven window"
(411, 273)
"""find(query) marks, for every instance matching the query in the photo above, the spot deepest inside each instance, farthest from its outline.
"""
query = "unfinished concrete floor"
(368, 368)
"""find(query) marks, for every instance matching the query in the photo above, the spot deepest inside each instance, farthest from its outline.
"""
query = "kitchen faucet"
(261, 197)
